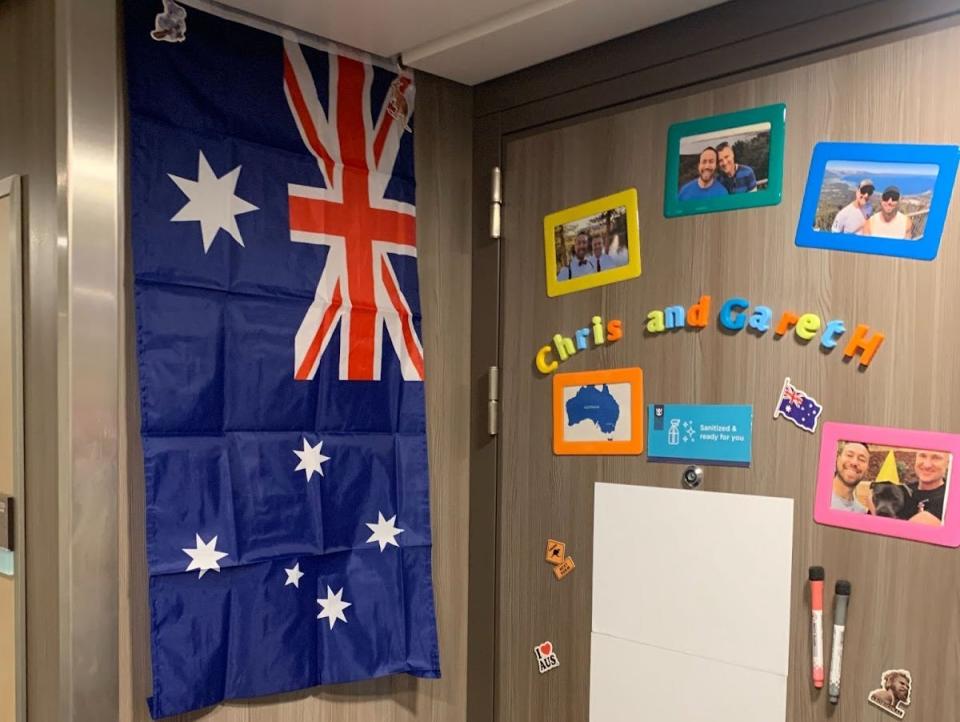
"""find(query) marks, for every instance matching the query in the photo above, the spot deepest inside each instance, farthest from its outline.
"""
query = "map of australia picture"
(594, 413)
(598, 412)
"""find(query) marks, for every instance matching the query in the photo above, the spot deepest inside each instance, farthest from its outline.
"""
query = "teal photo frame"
(745, 127)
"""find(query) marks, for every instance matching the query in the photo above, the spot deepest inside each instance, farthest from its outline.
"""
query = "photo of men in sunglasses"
(859, 217)
(852, 203)
(890, 222)
(852, 217)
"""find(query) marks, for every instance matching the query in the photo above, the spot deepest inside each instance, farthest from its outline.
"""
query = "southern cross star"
(333, 607)
(384, 531)
(204, 557)
(310, 459)
(293, 575)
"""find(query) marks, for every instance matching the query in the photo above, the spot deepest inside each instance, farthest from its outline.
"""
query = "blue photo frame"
(770, 194)
(834, 164)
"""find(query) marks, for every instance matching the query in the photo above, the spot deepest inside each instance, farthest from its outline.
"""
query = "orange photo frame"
(607, 435)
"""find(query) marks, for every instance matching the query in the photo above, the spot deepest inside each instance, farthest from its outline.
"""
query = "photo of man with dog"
(892, 482)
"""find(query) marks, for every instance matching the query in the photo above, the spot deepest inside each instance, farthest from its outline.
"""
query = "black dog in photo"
(889, 499)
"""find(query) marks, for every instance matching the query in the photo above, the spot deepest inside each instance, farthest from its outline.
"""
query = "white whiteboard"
(691, 605)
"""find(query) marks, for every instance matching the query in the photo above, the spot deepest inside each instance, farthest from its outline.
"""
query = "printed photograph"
(592, 244)
(724, 162)
(891, 481)
(887, 200)
(595, 244)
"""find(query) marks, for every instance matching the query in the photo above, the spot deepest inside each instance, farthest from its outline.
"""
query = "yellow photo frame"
(579, 241)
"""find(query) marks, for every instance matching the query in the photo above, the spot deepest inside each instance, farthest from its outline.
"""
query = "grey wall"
(28, 148)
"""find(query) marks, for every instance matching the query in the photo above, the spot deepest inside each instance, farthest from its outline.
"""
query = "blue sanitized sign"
(719, 434)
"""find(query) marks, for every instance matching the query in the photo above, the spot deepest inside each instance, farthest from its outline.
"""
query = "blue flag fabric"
(280, 364)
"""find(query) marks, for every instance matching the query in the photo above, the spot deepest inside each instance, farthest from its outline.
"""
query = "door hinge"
(493, 401)
(496, 202)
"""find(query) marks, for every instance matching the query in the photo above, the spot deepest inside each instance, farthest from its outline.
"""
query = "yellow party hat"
(888, 472)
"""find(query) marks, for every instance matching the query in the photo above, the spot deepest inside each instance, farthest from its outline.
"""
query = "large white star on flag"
(212, 202)
(293, 575)
(333, 607)
(204, 557)
(310, 459)
(384, 531)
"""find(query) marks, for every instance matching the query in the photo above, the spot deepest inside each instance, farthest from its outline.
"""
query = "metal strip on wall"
(89, 250)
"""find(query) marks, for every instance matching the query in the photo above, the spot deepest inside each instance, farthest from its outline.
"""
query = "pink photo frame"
(946, 534)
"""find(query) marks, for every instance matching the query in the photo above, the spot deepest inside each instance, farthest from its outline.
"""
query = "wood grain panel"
(28, 142)
(906, 596)
(8, 421)
(443, 159)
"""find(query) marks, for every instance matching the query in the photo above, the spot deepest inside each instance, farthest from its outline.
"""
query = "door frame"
(638, 69)
(13, 240)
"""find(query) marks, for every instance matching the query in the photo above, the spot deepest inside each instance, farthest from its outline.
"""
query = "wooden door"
(906, 601)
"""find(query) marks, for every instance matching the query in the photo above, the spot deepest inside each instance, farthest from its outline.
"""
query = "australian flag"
(280, 362)
(798, 407)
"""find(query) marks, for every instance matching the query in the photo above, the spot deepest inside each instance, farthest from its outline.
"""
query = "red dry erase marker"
(816, 623)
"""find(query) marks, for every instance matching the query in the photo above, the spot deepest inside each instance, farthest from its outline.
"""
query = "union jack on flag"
(273, 227)
(351, 214)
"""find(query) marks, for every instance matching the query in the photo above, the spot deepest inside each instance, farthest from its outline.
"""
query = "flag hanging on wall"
(280, 362)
